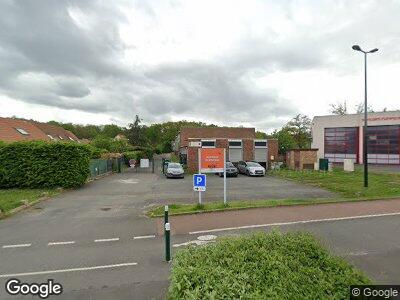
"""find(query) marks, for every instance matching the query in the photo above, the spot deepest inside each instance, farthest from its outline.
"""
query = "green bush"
(111, 145)
(262, 266)
(95, 153)
(42, 164)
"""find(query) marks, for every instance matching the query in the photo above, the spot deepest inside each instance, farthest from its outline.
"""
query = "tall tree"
(338, 108)
(285, 139)
(111, 130)
(360, 108)
(300, 128)
(136, 133)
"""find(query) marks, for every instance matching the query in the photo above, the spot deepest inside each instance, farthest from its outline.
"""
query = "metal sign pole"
(199, 157)
(224, 176)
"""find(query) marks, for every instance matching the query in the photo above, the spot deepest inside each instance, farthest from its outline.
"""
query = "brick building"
(240, 144)
(300, 159)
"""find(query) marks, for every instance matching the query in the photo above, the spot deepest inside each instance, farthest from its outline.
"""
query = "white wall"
(319, 123)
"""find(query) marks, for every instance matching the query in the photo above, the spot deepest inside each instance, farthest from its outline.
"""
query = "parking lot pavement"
(238, 188)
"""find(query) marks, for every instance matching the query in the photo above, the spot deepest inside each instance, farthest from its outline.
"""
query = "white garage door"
(235, 154)
(261, 154)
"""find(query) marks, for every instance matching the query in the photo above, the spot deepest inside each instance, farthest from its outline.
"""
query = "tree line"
(159, 136)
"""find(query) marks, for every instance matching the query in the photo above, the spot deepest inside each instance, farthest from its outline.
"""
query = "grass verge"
(262, 266)
(13, 198)
(348, 184)
(349, 187)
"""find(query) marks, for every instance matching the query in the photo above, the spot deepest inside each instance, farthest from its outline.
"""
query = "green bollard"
(167, 242)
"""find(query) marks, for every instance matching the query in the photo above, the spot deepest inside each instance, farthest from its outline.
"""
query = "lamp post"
(365, 136)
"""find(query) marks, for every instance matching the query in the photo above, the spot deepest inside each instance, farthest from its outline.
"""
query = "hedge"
(43, 164)
(262, 266)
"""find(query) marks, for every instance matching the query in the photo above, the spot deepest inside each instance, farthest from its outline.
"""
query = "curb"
(24, 206)
(228, 209)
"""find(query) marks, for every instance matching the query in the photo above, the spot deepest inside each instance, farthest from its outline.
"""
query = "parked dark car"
(231, 170)
(251, 168)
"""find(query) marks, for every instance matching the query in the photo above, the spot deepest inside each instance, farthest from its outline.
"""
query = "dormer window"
(22, 131)
(50, 136)
(61, 138)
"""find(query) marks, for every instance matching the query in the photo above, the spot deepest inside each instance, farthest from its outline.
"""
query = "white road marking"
(17, 246)
(106, 240)
(294, 223)
(60, 243)
(195, 242)
(209, 237)
(359, 253)
(201, 240)
(144, 237)
(70, 270)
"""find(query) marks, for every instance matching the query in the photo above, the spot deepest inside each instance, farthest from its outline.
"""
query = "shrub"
(41, 164)
(111, 145)
(96, 153)
(262, 266)
(133, 155)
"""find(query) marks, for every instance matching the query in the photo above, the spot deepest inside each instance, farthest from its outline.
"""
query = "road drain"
(105, 208)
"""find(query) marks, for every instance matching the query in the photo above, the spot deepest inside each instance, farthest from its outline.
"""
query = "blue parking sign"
(199, 182)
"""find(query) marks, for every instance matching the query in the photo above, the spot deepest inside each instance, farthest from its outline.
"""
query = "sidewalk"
(257, 217)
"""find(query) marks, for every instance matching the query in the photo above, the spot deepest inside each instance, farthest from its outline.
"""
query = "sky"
(226, 62)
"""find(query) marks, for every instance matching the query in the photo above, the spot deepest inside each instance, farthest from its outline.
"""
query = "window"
(61, 138)
(383, 139)
(260, 144)
(235, 144)
(22, 131)
(341, 143)
(384, 144)
(50, 136)
(71, 138)
(208, 143)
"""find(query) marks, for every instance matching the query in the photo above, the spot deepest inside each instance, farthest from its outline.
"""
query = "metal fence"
(100, 167)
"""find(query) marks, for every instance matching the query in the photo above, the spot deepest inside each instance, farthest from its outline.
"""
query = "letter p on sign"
(199, 182)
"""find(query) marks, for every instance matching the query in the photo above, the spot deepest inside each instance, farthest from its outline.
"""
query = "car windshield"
(253, 164)
(229, 164)
(174, 166)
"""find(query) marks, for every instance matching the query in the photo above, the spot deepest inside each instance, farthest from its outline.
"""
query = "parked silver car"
(174, 170)
(251, 168)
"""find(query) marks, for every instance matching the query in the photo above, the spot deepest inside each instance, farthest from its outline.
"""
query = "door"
(235, 154)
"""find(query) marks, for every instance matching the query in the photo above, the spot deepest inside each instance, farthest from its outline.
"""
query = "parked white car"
(251, 168)
(174, 170)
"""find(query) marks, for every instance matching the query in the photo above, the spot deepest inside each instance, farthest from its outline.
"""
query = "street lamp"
(365, 143)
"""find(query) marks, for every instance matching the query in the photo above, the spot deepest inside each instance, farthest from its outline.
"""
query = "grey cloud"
(84, 70)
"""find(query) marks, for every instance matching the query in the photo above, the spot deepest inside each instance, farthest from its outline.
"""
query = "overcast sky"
(250, 63)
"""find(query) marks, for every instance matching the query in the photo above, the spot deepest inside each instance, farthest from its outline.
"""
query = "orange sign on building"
(211, 160)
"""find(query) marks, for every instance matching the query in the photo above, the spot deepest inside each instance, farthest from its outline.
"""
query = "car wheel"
(247, 173)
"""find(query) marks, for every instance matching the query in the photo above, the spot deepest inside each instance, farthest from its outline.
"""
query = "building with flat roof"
(339, 137)
(240, 144)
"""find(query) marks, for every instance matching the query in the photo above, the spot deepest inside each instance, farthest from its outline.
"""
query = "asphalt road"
(101, 245)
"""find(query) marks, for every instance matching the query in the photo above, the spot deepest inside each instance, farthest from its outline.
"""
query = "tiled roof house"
(56, 132)
(13, 130)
